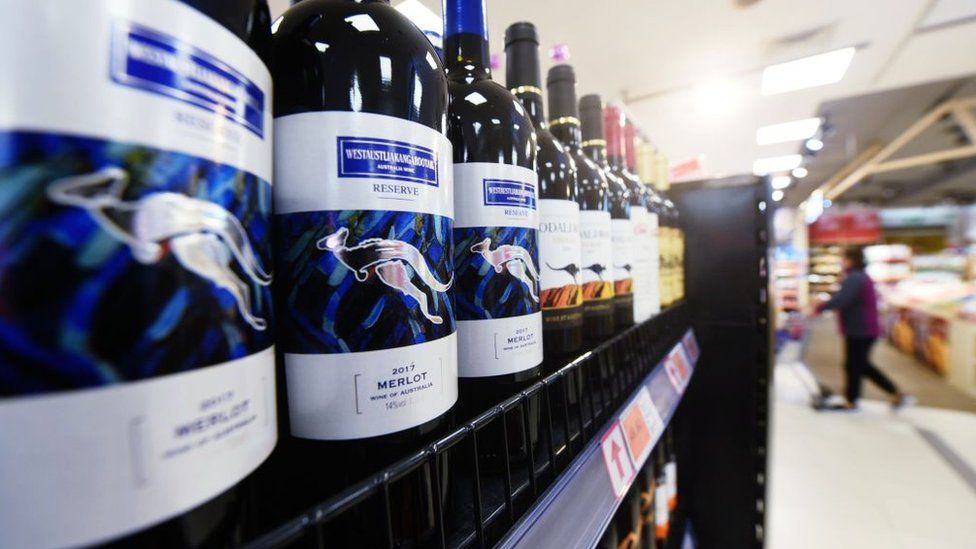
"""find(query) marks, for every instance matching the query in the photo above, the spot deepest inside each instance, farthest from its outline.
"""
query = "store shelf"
(579, 404)
(580, 505)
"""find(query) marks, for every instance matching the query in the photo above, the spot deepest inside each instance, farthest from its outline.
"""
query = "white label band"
(330, 161)
(96, 464)
(495, 195)
(346, 396)
(500, 346)
(96, 90)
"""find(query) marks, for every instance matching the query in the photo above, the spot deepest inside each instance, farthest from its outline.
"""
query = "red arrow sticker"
(619, 467)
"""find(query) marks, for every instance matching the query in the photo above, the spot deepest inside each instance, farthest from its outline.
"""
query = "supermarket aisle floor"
(825, 357)
(872, 479)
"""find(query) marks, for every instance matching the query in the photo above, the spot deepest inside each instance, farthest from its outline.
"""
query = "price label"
(618, 463)
(650, 412)
(636, 432)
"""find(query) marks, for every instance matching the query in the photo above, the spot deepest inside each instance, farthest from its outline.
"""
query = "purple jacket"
(857, 303)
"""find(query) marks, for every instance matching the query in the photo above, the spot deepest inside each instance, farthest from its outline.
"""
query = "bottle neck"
(466, 38)
(532, 101)
(567, 130)
(596, 149)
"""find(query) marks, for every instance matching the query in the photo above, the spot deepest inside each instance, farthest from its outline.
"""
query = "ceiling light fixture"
(777, 196)
(795, 130)
(808, 72)
(780, 181)
(766, 166)
(800, 172)
(814, 144)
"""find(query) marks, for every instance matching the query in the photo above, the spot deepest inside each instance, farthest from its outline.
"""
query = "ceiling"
(689, 71)
(858, 122)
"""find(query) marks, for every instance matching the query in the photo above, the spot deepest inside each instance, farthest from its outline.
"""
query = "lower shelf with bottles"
(590, 428)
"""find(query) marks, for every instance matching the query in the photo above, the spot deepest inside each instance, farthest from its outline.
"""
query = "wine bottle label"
(643, 277)
(671, 474)
(363, 218)
(560, 261)
(622, 236)
(661, 518)
(652, 247)
(136, 368)
(597, 255)
(497, 257)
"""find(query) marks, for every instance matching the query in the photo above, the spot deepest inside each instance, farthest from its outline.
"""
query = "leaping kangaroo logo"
(515, 259)
(571, 269)
(625, 267)
(389, 260)
(596, 269)
(202, 236)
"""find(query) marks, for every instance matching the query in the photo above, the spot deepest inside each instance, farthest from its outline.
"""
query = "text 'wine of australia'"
(621, 228)
(136, 364)
(596, 253)
(559, 213)
(363, 216)
(496, 228)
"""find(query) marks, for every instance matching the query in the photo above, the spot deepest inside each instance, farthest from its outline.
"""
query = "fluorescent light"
(777, 195)
(781, 181)
(800, 172)
(809, 72)
(765, 166)
(796, 130)
(814, 144)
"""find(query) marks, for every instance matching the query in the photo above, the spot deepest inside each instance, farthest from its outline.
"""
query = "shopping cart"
(798, 334)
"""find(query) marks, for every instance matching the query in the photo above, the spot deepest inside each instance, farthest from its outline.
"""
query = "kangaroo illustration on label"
(389, 260)
(571, 269)
(515, 259)
(596, 269)
(202, 236)
(626, 267)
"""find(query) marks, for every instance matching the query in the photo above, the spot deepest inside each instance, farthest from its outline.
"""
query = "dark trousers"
(859, 365)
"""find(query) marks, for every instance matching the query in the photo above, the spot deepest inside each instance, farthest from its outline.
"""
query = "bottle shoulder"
(486, 123)
(556, 168)
(347, 56)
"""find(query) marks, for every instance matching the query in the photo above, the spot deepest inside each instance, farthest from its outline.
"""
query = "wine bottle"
(136, 362)
(671, 469)
(668, 235)
(618, 133)
(621, 229)
(559, 213)
(661, 513)
(646, 478)
(363, 221)
(497, 224)
(596, 252)
(646, 164)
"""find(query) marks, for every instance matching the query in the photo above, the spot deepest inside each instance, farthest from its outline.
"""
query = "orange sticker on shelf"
(636, 433)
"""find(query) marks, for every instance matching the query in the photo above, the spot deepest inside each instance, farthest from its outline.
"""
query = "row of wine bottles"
(643, 520)
(435, 240)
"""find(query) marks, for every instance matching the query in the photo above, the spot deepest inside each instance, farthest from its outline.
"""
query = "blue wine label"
(135, 303)
(365, 273)
(497, 260)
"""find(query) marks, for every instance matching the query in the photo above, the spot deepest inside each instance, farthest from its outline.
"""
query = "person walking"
(857, 304)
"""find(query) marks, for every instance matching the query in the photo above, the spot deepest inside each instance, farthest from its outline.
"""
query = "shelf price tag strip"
(580, 504)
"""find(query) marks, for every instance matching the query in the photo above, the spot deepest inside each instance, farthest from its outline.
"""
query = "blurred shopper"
(857, 305)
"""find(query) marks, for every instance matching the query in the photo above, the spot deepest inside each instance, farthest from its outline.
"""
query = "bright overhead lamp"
(813, 144)
(800, 172)
(777, 195)
(780, 181)
(765, 166)
(808, 72)
(715, 97)
(795, 130)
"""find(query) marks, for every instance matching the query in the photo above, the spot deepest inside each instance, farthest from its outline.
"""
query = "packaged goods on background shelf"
(888, 263)
(825, 270)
